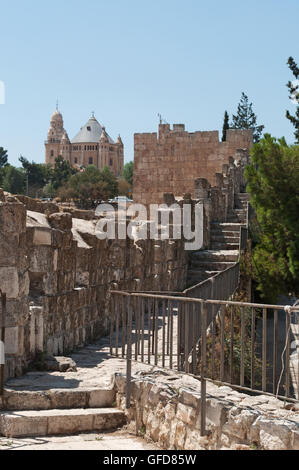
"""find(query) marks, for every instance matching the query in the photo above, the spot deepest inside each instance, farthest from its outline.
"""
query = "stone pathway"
(119, 440)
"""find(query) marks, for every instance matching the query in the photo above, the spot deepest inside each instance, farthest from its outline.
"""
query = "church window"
(91, 161)
(76, 160)
(52, 153)
(89, 128)
(111, 162)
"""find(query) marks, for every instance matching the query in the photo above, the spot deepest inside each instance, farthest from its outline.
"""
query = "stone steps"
(225, 245)
(59, 422)
(226, 227)
(237, 216)
(197, 276)
(215, 255)
(212, 265)
(25, 400)
(229, 237)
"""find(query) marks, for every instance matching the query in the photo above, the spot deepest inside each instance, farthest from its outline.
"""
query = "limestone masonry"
(169, 162)
(57, 275)
(91, 146)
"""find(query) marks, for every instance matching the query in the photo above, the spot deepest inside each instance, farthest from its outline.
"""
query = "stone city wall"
(57, 275)
(165, 407)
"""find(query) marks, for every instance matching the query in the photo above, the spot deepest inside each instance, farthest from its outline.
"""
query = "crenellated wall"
(169, 162)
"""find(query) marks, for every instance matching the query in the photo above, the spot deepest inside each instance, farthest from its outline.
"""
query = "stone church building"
(91, 146)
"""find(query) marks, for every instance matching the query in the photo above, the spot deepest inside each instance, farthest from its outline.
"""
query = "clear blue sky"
(129, 60)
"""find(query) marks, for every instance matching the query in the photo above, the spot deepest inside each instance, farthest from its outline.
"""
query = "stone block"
(9, 282)
(42, 236)
(68, 424)
(101, 398)
(15, 425)
(61, 221)
(12, 340)
(185, 413)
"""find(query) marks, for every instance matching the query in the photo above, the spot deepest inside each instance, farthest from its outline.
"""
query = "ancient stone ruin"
(58, 276)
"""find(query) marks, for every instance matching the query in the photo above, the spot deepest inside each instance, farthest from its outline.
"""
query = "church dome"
(91, 132)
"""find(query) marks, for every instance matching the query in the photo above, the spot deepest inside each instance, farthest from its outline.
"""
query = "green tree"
(110, 181)
(246, 119)
(128, 173)
(225, 126)
(273, 182)
(3, 157)
(123, 187)
(13, 180)
(37, 175)
(294, 96)
(86, 188)
(61, 173)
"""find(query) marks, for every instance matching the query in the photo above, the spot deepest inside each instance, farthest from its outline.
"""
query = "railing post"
(129, 354)
(2, 341)
(203, 368)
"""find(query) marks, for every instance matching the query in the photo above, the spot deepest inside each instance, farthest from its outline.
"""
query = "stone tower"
(55, 135)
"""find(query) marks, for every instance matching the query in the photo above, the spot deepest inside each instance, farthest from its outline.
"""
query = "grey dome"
(91, 132)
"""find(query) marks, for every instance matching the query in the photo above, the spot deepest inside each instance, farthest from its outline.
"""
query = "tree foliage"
(3, 157)
(294, 95)
(124, 187)
(110, 180)
(246, 118)
(37, 174)
(61, 173)
(128, 173)
(225, 126)
(13, 180)
(273, 182)
(87, 188)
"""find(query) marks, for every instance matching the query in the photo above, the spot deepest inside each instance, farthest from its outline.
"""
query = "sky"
(128, 60)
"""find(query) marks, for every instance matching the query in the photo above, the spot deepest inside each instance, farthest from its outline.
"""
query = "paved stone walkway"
(95, 367)
(119, 440)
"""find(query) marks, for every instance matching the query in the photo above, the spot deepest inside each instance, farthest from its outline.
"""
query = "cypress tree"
(225, 126)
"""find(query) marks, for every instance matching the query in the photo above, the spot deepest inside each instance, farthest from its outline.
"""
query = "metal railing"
(244, 345)
(2, 339)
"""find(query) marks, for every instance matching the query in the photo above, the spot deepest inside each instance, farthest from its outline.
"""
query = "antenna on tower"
(162, 121)
(57, 102)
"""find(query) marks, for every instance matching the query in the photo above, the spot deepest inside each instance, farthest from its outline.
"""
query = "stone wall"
(57, 275)
(165, 407)
(169, 162)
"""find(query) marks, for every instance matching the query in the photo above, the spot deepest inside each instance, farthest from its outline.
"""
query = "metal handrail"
(180, 333)
(162, 296)
(2, 340)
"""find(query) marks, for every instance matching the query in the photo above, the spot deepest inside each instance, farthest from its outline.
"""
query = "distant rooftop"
(90, 133)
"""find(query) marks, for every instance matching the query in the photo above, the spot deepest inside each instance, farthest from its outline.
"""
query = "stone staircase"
(59, 412)
(224, 247)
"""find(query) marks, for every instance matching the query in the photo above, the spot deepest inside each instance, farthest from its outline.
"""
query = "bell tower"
(55, 135)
